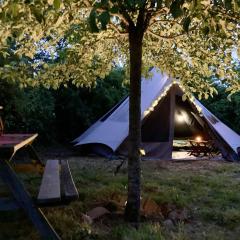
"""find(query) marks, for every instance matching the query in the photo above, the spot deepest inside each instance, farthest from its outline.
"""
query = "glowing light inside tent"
(198, 139)
(181, 117)
(142, 152)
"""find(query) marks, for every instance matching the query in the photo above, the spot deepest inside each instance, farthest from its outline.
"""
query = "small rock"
(87, 219)
(183, 215)
(173, 215)
(168, 223)
(178, 215)
(97, 212)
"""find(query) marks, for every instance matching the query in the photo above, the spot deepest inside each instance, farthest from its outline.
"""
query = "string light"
(164, 93)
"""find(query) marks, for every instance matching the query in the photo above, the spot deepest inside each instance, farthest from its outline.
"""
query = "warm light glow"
(198, 138)
(142, 152)
(181, 117)
(199, 109)
(146, 113)
(155, 103)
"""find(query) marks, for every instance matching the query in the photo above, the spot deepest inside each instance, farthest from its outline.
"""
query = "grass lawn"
(181, 200)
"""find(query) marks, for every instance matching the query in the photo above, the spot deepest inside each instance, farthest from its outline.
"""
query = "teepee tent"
(165, 117)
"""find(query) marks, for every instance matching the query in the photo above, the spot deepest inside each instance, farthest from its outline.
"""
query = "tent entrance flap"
(158, 128)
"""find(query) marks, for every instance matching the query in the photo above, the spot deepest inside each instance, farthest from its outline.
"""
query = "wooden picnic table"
(11, 143)
(9, 146)
(16, 141)
(200, 148)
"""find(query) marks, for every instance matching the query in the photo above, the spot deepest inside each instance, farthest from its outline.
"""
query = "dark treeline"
(59, 115)
(63, 114)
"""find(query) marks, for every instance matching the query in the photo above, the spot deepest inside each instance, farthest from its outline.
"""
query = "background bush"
(59, 115)
(227, 111)
(62, 115)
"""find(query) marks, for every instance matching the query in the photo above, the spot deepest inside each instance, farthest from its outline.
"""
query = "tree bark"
(132, 210)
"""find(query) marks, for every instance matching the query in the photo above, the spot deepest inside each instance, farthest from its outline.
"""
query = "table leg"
(32, 152)
(24, 200)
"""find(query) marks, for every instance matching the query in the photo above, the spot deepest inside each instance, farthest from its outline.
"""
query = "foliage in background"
(28, 110)
(226, 110)
(59, 115)
(77, 108)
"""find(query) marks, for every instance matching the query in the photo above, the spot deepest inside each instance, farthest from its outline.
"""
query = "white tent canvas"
(110, 133)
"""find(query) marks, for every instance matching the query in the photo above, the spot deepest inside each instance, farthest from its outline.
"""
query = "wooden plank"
(24, 200)
(14, 142)
(69, 190)
(50, 186)
(26, 141)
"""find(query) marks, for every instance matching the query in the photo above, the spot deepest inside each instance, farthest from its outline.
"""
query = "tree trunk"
(132, 210)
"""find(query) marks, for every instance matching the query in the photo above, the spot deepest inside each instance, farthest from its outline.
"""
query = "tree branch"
(87, 3)
(153, 21)
(229, 16)
(171, 36)
(158, 36)
(125, 14)
(117, 30)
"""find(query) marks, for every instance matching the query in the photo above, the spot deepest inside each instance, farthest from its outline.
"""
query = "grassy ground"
(183, 200)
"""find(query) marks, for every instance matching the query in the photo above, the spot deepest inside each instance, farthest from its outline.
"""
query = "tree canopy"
(196, 37)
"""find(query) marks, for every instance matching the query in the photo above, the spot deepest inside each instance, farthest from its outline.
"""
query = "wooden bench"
(57, 184)
(10, 144)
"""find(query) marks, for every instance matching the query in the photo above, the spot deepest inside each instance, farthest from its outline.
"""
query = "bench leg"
(24, 201)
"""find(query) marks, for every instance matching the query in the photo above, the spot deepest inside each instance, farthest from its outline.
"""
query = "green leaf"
(229, 97)
(14, 9)
(104, 18)
(168, 3)
(114, 9)
(186, 23)
(228, 4)
(102, 3)
(175, 8)
(139, 3)
(159, 3)
(57, 4)
(92, 21)
(206, 30)
(37, 14)
(184, 97)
